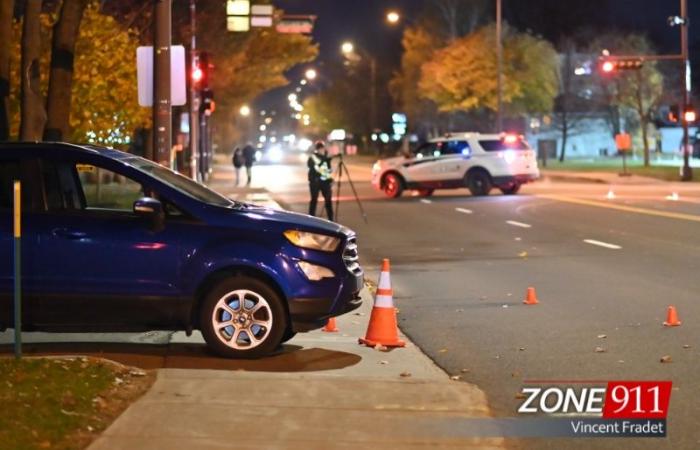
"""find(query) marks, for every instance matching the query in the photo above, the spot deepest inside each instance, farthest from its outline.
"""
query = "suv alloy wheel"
(242, 317)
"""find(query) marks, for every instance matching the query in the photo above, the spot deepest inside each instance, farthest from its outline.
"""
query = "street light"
(311, 74)
(245, 110)
(347, 48)
(393, 17)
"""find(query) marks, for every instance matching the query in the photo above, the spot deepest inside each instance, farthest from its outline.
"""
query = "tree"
(58, 105)
(462, 76)
(418, 47)
(6, 13)
(32, 105)
(104, 107)
(245, 64)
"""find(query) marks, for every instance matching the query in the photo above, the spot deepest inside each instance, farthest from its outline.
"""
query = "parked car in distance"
(114, 242)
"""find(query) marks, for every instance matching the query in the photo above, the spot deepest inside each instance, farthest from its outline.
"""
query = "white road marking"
(426, 201)
(463, 210)
(518, 224)
(602, 244)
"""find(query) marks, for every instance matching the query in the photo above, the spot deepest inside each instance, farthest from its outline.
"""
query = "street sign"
(239, 24)
(262, 10)
(178, 85)
(237, 7)
(623, 141)
(261, 21)
(296, 24)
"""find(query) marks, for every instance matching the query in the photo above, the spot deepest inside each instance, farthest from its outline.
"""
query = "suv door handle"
(68, 234)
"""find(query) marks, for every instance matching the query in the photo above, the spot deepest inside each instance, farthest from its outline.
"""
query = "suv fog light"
(314, 272)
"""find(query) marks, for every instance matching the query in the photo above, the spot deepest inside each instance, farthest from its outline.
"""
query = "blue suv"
(114, 242)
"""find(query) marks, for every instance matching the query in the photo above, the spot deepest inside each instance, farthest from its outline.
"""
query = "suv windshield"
(180, 183)
(497, 145)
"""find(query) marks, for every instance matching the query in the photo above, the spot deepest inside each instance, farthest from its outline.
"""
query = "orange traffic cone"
(382, 329)
(531, 298)
(331, 327)
(672, 317)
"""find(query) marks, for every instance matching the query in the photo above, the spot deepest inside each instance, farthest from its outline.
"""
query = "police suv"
(476, 161)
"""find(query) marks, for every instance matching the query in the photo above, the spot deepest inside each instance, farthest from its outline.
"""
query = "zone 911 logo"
(618, 400)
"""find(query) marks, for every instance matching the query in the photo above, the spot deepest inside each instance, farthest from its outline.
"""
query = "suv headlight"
(312, 241)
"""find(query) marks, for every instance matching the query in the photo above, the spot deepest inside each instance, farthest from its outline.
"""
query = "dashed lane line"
(602, 244)
(463, 210)
(426, 201)
(518, 224)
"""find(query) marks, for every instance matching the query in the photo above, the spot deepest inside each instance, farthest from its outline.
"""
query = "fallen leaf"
(522, 254)
(522, 349)
(405, 374)
(602, 336)
(137, 373)
(504, 306)
(44, 444)
(600, 350)
(384, 362)
(381, 348)
(456, 377)
(620, 361)
(666, 359)
(464, 370)
(520, 395)
(442, 350)
(686, 345)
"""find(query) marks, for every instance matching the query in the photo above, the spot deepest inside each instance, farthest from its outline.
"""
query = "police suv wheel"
(511, 189)
(242, 317)
(479, 183)
(392, 185)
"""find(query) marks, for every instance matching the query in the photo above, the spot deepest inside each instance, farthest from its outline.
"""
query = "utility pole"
(162, 113)
(194, 100)
(499, 67)
(686, 171)
(373, 94)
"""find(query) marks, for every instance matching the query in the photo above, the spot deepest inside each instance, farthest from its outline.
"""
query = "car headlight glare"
(314, 272)
(312, 241)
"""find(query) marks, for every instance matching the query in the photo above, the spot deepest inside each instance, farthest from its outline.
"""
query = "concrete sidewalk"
(347, 396)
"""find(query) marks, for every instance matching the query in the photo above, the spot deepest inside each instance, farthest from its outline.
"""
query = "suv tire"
(392, 185)
(479, 182)
(510, 189)
(247, 310)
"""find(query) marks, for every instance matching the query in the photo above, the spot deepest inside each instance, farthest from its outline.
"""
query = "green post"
(18, 267)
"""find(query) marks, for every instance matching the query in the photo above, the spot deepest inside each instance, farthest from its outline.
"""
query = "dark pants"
(325, 188)
(249, 173)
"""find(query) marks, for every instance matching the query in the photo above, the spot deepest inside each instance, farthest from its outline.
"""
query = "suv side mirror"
(152, 210)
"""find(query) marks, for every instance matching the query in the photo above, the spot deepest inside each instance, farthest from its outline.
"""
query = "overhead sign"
(238, 7)
(144, 67)
(296, 24)
(261, 21)
(238, 23)
(262, 10)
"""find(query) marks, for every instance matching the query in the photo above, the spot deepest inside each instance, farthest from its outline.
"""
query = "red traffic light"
(197, 75)
(689, 115)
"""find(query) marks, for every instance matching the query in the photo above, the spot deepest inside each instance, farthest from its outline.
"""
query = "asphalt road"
(601, 267)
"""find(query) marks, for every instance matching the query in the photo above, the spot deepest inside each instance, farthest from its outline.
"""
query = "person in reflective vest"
(320, 179)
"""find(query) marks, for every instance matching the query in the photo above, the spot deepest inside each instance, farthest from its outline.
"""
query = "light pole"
(686, 171)
(349, 51)
(194, 100)
(499, 67)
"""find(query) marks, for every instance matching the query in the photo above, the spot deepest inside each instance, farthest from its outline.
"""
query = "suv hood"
(288, 219)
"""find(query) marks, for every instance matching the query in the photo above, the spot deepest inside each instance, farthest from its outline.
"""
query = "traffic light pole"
(499, 67)
(162, 113)
(686, 171)
(194, 100)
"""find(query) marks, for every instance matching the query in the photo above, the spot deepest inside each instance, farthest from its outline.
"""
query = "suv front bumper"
(311, 313)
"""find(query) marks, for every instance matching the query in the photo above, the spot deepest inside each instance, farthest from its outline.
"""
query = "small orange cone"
(382, 329)
(331, 327)
(672, 317)
(531, 298)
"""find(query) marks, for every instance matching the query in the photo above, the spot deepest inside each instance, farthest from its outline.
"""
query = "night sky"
(362, 21)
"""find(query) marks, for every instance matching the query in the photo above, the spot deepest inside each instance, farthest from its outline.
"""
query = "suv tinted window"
(455, 148)
(497, 145)
(105, 189)
(61, 188)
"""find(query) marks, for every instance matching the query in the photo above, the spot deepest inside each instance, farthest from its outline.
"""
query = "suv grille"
(350, 256)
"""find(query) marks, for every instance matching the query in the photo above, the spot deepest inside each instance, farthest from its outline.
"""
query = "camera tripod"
(343, 169)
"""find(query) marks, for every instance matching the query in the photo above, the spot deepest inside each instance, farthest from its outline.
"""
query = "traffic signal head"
(689, 115)
(197, 75)
(610, 65)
